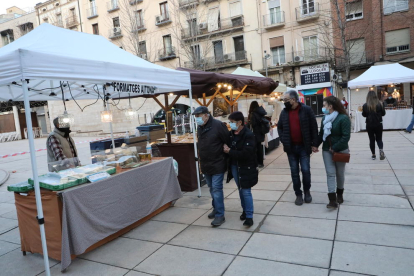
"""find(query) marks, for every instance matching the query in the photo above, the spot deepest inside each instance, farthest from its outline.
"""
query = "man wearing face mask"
(61, 149)
(390, 100)
(298, 132)
(212, 136)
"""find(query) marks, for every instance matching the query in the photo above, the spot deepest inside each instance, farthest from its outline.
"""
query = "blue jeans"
(298, 156)
(246, 197)
(410, 127)
(215, 183)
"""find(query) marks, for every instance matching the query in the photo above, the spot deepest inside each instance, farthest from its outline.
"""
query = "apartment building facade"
(16, 23)
(377, 32)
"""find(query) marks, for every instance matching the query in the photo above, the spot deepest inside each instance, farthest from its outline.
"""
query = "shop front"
(315, 86)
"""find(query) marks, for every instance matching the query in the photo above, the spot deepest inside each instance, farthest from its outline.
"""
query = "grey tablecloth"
(96, 211)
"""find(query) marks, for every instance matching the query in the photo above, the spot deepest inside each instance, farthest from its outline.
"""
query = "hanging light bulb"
(229, 87)
(219, 85)
(65, 120)
(272, 98)
(106, 116)
(357, 89)
(131, 113)
(171, 94)
(225, 85)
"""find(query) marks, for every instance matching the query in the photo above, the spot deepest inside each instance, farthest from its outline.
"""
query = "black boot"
(308, 197)
(332, 201)
(299, 200)
(339, 195)
(243, 216)
(248, 222)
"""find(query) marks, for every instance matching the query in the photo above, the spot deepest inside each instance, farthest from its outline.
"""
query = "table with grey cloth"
(95, 211)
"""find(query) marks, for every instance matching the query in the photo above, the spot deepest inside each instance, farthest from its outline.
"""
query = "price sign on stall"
(315, 74)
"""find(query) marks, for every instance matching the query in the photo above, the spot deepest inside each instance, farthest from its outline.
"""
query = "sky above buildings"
(23, 4)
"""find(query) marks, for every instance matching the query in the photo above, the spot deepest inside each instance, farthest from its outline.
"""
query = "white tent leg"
(112, 131)
(35, 174)
(195, 144)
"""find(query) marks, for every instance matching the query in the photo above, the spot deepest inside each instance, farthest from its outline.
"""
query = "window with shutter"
(310, 45)
(391, 6)
(356, 49)
(397, 41)
(235, 9)
(354, 10)
(275, 13)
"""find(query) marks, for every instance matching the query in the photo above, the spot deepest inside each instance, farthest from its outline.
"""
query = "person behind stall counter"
(61, 147)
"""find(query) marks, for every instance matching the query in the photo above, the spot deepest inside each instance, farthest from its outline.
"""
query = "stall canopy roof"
(205, 82)
(49, 54)
(383, 75)
(247, 72)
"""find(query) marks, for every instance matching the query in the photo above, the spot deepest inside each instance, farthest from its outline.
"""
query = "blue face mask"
(233, 126)
(199, 121)
(325, 111)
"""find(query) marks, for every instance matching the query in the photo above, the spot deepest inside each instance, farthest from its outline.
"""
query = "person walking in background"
(242, 164)
(256, 115)
(212, 136)
(411, 125)
(373, 110)
(335, 133)
(298, 132)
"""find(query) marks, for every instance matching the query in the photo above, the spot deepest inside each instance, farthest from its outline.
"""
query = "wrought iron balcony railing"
(307, 12)
(273, 20)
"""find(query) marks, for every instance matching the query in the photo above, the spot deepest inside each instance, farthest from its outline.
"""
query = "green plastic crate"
(22, 187)
(45, 183)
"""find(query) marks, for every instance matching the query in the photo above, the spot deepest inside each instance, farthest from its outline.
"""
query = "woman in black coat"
(242, 163)
(256, 114)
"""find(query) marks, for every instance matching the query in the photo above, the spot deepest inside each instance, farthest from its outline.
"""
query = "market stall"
(52, 63)
(385, 80)
(205, 87)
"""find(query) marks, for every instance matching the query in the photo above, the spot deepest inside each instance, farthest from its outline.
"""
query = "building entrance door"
(315, 102)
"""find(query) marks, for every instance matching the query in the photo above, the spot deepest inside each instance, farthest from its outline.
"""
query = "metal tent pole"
(40, 217)
(195, 143)
(111, 129)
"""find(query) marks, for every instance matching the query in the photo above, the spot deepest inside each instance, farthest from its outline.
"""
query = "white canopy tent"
(382, 75)
(35, 65)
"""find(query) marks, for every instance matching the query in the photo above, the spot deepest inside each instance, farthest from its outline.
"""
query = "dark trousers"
(259, 152)
(375, 134)
(297, 156)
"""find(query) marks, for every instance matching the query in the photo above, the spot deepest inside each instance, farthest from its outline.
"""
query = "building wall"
(58, 13)
(14, 23)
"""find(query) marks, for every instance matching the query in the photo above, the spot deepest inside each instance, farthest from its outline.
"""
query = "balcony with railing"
(92, 12)
(185, 4)
(59, 23)
(307, 12)
(139, 28)
(115, 33)
(274, 20)
(71, 21)
(134, 2)
(162, 19)
(112, 5)
(205, 30)
(220, 61)
(167, 53)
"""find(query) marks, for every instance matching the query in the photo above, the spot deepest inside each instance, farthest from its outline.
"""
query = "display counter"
(393, 119)
(271, 140)
(82, 218)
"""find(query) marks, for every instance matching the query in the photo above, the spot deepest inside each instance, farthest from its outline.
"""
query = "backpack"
(264, 125)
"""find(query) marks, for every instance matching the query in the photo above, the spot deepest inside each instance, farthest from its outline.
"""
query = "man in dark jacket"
(212, 135)
(298, 132)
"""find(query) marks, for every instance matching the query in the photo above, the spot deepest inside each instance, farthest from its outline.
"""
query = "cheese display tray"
(22, 187)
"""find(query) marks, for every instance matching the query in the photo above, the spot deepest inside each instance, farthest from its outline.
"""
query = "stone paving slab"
(180, 215)
(377, 215)
(305, 211)
(122, 252)
(7, 224)
(372, 259)
(299, 227)
(6, 197)
(205, 191)
(243, 266)
(386, 180)
(391, 201)
(15, 264)
(233, 222)
(156, 231)
(260, 206)
(293, 250)
(12, 236)
(317, 197)
(6, 208)
(376, 234)
(84, 267)
(212, 239)
(6, 247)
(271, 186)
(374, 189)
(261, 195)
(136, 273)
(185, 262)
(406, 180)
(340, 273)
(10, 215)
(194, 202)
(409, 190)
(274, 177)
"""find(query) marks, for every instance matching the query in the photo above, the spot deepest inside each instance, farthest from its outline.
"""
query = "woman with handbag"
(335, 133)
(373, 110)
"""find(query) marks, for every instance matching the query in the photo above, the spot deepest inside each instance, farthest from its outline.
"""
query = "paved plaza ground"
(370, 234)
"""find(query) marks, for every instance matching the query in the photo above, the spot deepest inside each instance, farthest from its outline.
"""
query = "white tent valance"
(49, 54)
(383, 75)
